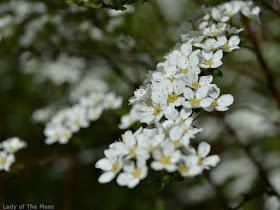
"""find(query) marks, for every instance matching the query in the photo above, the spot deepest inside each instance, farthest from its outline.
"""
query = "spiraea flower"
(165, 101)
(8, 149)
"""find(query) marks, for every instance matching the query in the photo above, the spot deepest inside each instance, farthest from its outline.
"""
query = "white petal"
(156, 166)
(217, 56)
(225, 100)
(188, 93)
(104, 164)
(123, 179)
(203, 149)
(205, 80)
(106, 177)
(202, 92)
(212, 160)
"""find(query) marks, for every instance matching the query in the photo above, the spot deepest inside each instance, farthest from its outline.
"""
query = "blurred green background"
(121, 48)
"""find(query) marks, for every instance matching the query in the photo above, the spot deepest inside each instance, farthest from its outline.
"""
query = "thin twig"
(266, 71)
(271, 189)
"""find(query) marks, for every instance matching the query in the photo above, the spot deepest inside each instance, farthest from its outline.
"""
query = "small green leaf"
(218, 73)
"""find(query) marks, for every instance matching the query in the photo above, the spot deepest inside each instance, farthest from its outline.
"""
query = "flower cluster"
(181, 83)
(66, 69)
(8, 148)
(70, 120)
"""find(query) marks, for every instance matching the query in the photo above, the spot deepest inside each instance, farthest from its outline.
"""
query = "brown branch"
(265, 69)
(271, 190)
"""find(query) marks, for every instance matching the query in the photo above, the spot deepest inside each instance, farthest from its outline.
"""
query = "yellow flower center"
(66, 135)
(226, 47)
(214, 33)
(171, 79)
(230, 13)
(115, 167)
(176, 143)
(111, 104)
(172, 98)
(157, 110)
(183, 168)
(195, 102)
(137, 173)
(208, 63)
(150, 149)
(200, 161)
(77, 123)
(3, 161)
(214, 104)
(12, 149)
(166, 133)
(132, 152)
(56, 135)
(184, 71)
(94, 113)
(164, 160)
(196, 85)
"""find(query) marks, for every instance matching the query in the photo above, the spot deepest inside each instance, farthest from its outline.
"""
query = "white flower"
(215, 30)
(130, 147)
(210, 60)
(221, 103)
(112, 101)
(213, 44)
(57, 133)
(76, 118)
(206, 162)
(188, 167)
(111, 165)
(6, 160)
(149, 114)
(195, 83)
(129, 119)
(94, 113)
(149, 139)
(12, 145)
(196, 99)
(231, 44)
(132, 174)
(139, 95)
(166, 158)
(169, 91)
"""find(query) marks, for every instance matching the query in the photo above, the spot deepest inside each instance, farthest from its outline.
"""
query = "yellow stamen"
(196, 85)
(132, 152)
(3, 161)
(183, 168)
(150, 149)
(214, 104)
(164, 160)
(172, 98)
(226, 47)
(184, 71)
(200, 161)
(157, 110)
(115, 167)
(208, 63)
(12, 149)
(77, 123)
(171, 79)
(137, 173)
(176, 143)
(195, 102)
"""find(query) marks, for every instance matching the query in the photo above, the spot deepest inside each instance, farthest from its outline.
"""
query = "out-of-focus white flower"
(6, 160)
(12, 145)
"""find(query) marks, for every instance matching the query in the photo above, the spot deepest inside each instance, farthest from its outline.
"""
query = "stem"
(271, 190)
(265, 69)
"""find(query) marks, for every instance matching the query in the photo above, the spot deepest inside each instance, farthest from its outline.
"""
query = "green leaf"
(218, 73)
